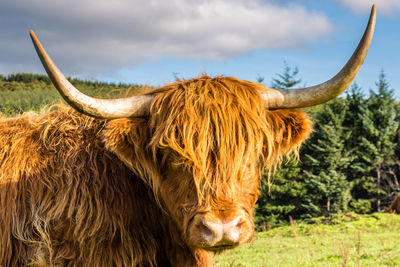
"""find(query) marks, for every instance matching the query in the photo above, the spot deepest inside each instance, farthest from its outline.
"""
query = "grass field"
(19, 97)
(351, 240)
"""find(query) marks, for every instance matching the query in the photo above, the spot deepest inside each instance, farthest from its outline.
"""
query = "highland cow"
(165, 178)
(395, 205)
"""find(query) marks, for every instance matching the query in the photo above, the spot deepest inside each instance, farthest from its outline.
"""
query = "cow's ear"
(127, 138)
(291, 128)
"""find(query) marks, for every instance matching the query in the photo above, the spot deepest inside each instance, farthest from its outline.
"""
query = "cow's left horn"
(134, 106)
(318, 94)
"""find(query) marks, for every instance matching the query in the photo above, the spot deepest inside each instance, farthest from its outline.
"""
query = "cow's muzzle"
(210, 232)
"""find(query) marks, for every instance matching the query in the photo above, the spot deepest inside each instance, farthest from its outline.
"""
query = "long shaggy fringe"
(214, 127)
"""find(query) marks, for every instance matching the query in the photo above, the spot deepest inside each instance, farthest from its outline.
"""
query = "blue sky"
(147, 41)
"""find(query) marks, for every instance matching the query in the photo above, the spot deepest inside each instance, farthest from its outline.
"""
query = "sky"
(151, 42)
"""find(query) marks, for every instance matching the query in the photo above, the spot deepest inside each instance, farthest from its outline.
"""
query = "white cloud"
(102, 35)
(384, 6)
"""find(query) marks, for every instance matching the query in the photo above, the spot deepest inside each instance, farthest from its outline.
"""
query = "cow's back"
(65, 200)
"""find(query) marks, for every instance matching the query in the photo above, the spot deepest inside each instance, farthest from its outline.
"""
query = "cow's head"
(200, 144)
(201, 150)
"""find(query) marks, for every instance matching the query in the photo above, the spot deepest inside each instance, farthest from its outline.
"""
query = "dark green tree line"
(350, 163)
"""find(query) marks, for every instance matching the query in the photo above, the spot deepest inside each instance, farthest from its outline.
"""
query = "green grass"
(17, 97)
(355, 240)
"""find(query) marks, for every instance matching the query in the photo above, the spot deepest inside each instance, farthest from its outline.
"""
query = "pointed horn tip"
(373, 10)
(33, 37)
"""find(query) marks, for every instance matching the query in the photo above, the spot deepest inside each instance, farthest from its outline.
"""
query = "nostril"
(205, 232)
(211, 231)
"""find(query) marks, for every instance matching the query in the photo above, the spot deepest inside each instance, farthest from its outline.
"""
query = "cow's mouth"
(220, 248)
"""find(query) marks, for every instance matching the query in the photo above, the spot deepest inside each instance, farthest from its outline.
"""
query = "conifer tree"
(373, 125)
(287, 79)
(359, 170)
(379, 141)
(281, 199)
(325, 159)
(391, 183)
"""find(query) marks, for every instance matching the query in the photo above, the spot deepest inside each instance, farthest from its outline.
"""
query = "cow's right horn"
(134, 106)
(318, 94)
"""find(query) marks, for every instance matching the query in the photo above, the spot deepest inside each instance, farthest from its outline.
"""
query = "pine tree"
(391, 183)
(287, 79)
(373, 124)
(359, 170)
(325, 160)
(281, 200)
(379, 142)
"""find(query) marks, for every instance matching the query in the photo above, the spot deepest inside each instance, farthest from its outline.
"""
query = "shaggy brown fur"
(78, 191)
(395, 206)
